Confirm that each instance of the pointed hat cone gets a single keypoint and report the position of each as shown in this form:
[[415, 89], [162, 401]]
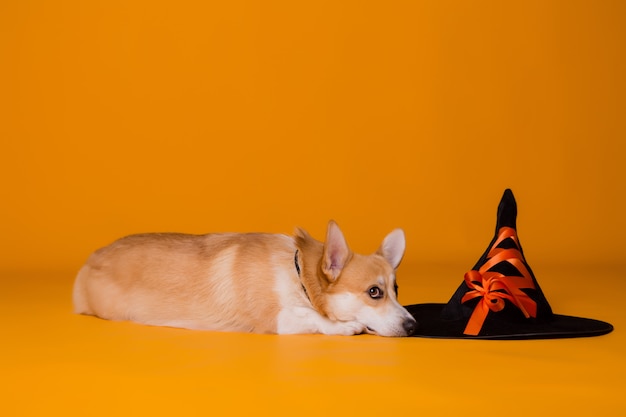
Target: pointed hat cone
[[500, 297]]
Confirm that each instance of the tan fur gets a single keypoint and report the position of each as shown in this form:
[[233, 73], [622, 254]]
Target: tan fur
[[236, 282]]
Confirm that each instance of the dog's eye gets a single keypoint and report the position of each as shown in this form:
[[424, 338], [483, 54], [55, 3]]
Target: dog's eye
[[375, 292]]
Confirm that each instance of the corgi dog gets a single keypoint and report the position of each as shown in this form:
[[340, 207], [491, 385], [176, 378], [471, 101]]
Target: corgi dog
[[249, 282]]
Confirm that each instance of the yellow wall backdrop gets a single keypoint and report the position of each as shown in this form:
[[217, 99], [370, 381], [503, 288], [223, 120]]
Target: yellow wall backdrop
[[119, 117]]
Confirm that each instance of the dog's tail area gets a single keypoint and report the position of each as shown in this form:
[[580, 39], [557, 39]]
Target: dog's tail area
[[79, 293]]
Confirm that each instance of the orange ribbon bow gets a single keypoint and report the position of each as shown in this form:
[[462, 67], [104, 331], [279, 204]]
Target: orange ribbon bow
[[495, 287]]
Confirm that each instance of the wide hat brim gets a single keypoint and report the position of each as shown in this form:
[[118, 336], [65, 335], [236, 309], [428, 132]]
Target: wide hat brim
[[500, 297], [432, 325]]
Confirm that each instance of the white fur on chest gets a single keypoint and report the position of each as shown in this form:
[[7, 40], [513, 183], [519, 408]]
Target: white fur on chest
[[298, 316]]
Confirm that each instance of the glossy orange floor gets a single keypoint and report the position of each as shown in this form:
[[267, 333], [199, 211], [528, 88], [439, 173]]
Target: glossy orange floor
[[56, 363]]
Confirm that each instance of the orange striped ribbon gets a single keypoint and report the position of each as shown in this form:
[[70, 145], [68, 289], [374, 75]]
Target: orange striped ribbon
[[494, 287]]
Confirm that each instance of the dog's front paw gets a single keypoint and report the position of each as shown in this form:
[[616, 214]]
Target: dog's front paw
[[344, 328]]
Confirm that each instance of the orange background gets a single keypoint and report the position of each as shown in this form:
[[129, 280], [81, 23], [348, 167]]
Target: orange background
[[119, 117], [123, 117]]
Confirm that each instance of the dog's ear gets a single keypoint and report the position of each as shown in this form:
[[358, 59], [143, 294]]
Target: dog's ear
[[336, 252], [393, 247]]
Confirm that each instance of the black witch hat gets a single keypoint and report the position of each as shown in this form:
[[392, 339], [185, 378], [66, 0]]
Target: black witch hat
[[500, 297]]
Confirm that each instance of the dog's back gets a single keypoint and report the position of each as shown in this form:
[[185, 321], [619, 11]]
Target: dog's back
[[213, 282]]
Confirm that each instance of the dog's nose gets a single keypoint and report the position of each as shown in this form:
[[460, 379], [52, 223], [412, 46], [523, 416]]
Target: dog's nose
[[410, 326]]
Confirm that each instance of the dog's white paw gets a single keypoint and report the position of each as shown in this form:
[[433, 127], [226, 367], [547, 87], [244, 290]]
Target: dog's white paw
[[344, 328]]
